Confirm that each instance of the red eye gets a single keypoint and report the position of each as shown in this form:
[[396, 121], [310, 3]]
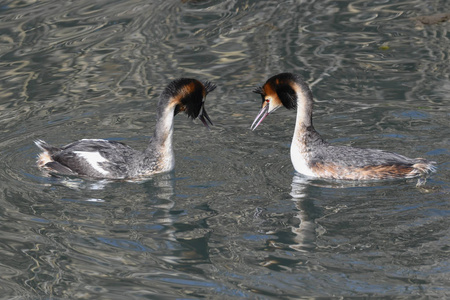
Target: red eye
[[267, 100]]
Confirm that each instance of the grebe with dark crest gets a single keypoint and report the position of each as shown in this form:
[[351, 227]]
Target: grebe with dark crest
[[97, 158], [314, 157]]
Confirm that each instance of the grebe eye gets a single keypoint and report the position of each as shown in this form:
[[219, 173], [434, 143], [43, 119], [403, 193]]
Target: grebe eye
[[267, 100]]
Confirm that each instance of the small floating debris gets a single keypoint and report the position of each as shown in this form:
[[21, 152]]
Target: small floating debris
[[384, 47]]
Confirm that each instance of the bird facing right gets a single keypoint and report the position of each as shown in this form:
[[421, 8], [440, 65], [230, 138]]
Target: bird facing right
[[104, 159], [312, 156]]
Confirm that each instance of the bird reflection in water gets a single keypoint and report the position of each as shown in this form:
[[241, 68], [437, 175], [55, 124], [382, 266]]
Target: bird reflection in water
[[306, 230]]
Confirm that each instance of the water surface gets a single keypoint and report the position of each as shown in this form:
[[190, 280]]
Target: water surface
[[232, 220]]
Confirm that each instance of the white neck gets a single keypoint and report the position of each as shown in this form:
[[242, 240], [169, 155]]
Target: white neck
[[299, 155], [161, 143], [304, 113]]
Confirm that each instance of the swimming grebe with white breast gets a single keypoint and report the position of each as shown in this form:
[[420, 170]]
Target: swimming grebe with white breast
[[97, 158], [313, 156]]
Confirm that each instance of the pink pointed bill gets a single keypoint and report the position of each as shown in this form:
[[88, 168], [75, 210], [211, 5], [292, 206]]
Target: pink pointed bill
[[263, 113]]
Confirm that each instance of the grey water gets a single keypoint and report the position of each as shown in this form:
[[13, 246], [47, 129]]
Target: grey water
[[232, 220]]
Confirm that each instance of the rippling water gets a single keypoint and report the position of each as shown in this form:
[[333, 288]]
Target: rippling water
[[232, 220]]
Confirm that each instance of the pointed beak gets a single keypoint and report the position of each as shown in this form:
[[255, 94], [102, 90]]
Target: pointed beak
[[260, 117], [203, 116]]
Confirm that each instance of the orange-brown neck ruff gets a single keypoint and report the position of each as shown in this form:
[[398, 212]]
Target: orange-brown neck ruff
[[184, 91]]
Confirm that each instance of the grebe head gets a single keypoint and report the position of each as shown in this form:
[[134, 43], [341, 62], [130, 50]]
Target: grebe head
[[189, 95], [280, 90]]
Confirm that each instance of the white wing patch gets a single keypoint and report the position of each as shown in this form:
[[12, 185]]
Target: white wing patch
[[94, 159]]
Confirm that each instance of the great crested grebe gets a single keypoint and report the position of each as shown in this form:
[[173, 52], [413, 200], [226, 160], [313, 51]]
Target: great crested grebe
[[312, 156], [97, 158]]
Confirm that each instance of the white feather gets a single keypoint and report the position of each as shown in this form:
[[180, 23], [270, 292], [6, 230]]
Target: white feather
[[94, 159], [299, 162]]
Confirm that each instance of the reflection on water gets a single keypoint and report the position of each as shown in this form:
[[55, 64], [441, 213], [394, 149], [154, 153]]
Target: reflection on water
[[232, 220], [306, 231]]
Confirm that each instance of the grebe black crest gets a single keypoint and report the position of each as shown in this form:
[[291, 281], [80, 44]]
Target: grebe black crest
[[312, 156], [97, 158]]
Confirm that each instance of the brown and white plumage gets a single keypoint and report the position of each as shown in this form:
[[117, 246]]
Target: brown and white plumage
[[97, 158], [313, 156]]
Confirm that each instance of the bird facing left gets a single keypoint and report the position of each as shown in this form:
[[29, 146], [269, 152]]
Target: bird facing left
[[103, 159]]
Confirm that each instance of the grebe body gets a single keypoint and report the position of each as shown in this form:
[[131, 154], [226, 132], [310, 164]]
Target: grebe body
[[98, 158], [312, 156]]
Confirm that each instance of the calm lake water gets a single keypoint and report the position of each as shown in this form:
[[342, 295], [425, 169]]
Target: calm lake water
[[232, 220]]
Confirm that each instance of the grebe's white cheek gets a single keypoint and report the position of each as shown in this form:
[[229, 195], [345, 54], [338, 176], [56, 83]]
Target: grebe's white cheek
[[93, 159], [273, 105]]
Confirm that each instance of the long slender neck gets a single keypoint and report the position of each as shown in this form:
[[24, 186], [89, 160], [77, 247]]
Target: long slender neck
[[304, 112], [161, 143], [305, 136]]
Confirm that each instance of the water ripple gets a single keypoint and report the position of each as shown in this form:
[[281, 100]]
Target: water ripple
[[230, 221]]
